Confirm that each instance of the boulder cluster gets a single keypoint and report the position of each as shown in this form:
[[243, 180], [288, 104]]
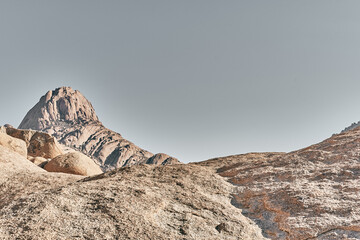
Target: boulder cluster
[[43, 150]]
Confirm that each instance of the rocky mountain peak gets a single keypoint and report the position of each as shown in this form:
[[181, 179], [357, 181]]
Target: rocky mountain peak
[[68, 116], [60, 105]]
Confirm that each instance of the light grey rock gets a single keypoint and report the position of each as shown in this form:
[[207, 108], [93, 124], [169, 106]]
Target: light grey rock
[[138, 202], [312, 193], [68, 116], [162, 159]]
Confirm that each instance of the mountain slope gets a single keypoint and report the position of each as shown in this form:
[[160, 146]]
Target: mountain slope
[[138, 202], [312, 193], [68, 116]]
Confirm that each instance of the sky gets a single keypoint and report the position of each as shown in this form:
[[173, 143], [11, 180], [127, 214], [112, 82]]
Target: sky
[[195, 79]]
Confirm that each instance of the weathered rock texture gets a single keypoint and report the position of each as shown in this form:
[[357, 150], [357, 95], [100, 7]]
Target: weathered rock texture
[[69, 117], [312, 193], [38, 144], [162, 159], [13, 144], [19, 177], [73, 163], [139, 202], [39, 161]]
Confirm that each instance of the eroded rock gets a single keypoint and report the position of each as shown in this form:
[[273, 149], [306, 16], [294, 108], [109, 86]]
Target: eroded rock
[[312, 193], [13, 144], [162, 159], [68, 116], [38, 144], [139, 202], [73, 163]]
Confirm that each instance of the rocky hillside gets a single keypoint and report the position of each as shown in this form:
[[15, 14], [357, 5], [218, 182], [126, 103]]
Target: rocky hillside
[[139, 202], [312, 193], [68, 116]]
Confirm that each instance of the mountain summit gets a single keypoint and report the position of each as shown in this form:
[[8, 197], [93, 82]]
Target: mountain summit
[[60, 105], [68, 116]]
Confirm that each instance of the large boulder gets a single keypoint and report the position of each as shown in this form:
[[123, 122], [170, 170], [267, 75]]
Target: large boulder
[[73, 163], [38, 144], [13, 144]]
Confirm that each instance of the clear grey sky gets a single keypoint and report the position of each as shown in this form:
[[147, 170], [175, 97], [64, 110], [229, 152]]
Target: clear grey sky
[[192, 78]]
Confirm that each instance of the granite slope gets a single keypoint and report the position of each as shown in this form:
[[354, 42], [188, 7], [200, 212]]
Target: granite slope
[[312, 193], [137, 202], [68, 116]]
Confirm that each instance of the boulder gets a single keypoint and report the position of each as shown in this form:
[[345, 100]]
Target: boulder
[[73, 163], [13, 144], [39, 144]]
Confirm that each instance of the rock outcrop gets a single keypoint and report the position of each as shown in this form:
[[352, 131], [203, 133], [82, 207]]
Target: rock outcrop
[[138, 202], [13, 144], [68, 116], [162, 159], [312, 193], [39, 161], [38, 144], [61, 105], [19, 177], [73, 163]]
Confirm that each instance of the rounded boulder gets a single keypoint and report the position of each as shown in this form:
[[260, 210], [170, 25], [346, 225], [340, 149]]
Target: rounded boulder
[[73, 163]]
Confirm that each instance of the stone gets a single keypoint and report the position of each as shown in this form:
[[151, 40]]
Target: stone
[[162, 159], [39, 161], [68, 116], [19, 177], [38, 144], [61, 105], [311, 193], [73, 163], [13, 144], [137, 202]]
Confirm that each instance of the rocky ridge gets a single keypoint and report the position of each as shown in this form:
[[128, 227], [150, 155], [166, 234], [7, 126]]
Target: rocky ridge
[[139, 202], [68, 116], [312, 193], [38, 144]]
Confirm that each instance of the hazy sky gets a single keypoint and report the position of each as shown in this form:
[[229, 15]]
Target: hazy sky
[[192, 78]]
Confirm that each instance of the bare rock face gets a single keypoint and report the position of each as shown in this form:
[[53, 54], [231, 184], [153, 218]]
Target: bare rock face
[[38, 144], [69, 117], [19, 177], [61, 105], [73, 163], [39, 161], [162, 159], [139, 202], [312, 193], [13, 144]]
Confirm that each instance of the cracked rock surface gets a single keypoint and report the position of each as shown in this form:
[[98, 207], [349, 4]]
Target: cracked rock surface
[[138, 202], [312, 193], [68, 116]]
